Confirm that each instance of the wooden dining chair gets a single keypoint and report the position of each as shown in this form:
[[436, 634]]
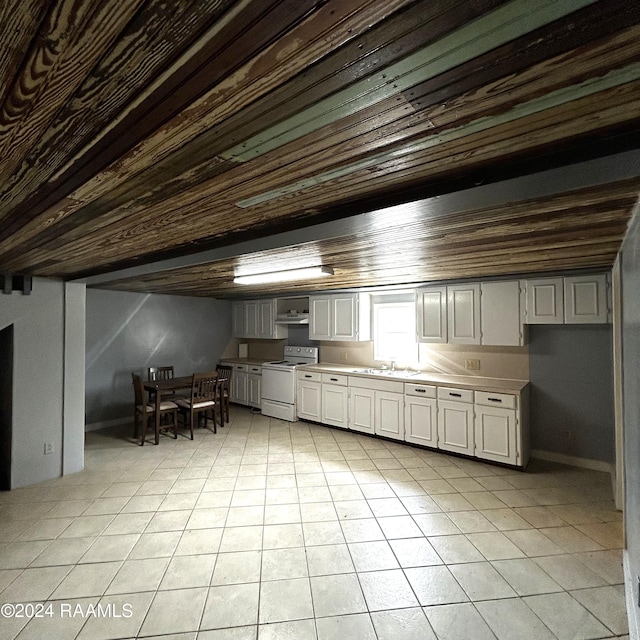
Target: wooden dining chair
[[204, 398], [145, 412], [164, 373], [160, 373], [224, 374]]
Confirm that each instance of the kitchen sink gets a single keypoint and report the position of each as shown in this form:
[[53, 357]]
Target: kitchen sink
[[387, 372]]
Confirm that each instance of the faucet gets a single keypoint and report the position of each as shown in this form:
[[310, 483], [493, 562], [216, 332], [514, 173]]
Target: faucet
[[393, 365]]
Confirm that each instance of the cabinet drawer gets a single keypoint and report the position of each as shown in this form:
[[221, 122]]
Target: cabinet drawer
[[420, 390], [456, 395], [504, 400], [241, 367], [377, 384], [335, 378], [255, 369], [310, 376]]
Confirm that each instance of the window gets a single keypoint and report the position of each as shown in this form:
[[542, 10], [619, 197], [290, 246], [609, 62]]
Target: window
[[394, 329]]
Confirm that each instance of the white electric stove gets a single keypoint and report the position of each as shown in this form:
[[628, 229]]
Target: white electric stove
[[279, 382]]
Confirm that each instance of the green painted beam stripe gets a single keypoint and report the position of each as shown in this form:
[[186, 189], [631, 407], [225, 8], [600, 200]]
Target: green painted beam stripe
[[556, 98], [487, 32]]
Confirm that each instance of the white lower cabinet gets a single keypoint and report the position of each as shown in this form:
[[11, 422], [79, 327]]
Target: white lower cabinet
[[309, 395], [389, 414], [335, 400], [481, 424], [240, 384], [254, 386], [420, 414], [361, 409], [497, 432], [377, 406], [455, 420]]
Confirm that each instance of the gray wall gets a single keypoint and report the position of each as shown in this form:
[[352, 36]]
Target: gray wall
[[39, 385], [571, 373], [630, 265], [131, 331]]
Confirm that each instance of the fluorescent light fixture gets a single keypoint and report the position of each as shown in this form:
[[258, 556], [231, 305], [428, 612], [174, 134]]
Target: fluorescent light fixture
[[285, 275]]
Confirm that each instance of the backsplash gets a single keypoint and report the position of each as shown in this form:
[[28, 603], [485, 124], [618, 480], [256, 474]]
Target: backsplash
[[265, 350], [495, 362]]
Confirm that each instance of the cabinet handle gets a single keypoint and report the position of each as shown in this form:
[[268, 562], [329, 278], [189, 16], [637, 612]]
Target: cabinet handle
[[306, 375], [333, 379], [455, 395], [494, 399], [421, 390]]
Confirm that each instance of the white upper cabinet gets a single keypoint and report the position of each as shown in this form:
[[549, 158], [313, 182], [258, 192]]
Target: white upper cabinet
[[570, 300], [344, 314], [586, 299], [463, 314], [500, 314], [320, 318], [251, 319], [256, 319], [545, 301], [431, 310], [341, 316], [266, 318]]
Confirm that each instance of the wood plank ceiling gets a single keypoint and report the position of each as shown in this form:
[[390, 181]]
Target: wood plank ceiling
[[135, 132]]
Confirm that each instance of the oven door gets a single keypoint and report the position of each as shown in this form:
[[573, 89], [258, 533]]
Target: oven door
[[279, 385]]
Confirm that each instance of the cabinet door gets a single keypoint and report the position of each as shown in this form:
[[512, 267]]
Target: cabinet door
[[254, 392], [361, 410], [455, 427], [344, 313], [251, 318], [237, 311], [320, 318], [240, 384], [431, 310], [463, 314], [265, 318], [309, 400], [545, 301], [335, 404], [500, 318], [420, 421], [389, 415], [495, 434], [585, 299]]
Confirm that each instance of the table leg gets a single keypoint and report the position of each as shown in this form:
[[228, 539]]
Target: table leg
[[157, 425]]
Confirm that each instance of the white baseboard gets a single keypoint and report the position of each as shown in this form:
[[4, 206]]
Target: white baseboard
[[584, 463], [630, 593], [94, 426]]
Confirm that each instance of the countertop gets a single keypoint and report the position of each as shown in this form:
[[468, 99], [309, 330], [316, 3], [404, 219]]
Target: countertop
[[494, 385], [250, 361]]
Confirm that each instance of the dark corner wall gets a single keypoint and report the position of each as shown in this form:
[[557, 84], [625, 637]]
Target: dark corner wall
[[128, 332], [572, 401], [6, 405]]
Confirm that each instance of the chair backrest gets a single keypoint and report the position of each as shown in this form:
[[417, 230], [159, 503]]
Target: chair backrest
[[204, 386], [225, 371], [138, 391], [160, 373]]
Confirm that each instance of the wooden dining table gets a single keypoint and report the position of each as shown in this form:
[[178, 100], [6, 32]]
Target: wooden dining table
[[161, 388]]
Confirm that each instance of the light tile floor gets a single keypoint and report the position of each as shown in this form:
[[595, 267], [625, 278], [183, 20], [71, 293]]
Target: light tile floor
[[273, 530]]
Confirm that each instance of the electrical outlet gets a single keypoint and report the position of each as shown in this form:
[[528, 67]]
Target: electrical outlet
[[568, 434], [472, 364], [48, 448]]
